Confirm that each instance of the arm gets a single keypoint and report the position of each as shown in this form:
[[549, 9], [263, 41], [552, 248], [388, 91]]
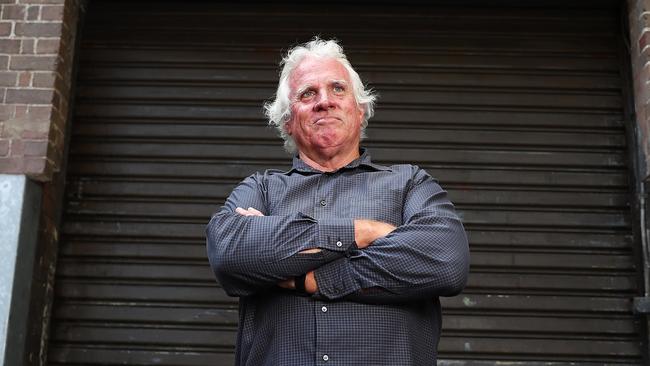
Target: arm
[[251, 253], [427, 256]]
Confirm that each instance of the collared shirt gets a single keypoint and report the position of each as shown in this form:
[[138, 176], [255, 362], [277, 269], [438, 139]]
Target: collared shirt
[[374, 306]]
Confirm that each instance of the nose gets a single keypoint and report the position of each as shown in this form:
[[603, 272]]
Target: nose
[[325, 101]]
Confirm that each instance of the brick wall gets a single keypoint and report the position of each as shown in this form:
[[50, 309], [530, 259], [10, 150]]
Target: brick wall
[[37, 44], [36, 48], [639, 21]]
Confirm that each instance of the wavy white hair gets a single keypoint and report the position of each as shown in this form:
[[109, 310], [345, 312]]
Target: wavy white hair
[[278, 111]]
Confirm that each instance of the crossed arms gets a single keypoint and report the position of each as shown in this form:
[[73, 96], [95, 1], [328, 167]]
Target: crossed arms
[[352, 258]]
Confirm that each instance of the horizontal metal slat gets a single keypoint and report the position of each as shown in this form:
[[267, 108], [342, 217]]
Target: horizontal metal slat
[[215, 194], [220, 132], [60, 354], [424, 96], [387, 114], [377, 77], [146, 314], [516, 348], [136, 336], [242, 152], [82, 166], [113, 291], [477, 303]]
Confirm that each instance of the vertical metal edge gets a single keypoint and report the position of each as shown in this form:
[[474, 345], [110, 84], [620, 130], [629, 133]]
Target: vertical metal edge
[[638, 186]]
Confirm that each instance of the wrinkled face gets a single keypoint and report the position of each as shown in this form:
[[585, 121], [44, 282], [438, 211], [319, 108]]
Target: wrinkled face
[[325, 117]]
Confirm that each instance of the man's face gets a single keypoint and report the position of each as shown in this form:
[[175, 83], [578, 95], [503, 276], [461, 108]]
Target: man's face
[[325, 117]]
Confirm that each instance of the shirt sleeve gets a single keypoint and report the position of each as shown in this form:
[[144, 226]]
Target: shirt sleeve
[[427, 256], [253, 253]]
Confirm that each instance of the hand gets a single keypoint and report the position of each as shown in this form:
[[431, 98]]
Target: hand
[[367, 231], [248, 212]]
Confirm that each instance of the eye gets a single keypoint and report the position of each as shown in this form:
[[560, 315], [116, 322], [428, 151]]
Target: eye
[[338, 89], [307, 94]]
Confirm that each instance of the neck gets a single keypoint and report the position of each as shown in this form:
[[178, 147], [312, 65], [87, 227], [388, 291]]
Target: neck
[[327, 163]]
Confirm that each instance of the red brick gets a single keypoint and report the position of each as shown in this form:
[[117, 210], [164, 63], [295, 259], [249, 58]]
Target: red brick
[[40, 112], [29, 96], [36, 148], [11, 165], [37, 135], [644, 40], [52, 12], [25, 78], [6, 112], [38, 63], [35, 166], [44, 80], [4, 147], [21, 111], [9, 46], [28, 46], [14, 12], [17, 148], [33, 12], [56, 99], [5, 29], [8, 78], [44, 46], [38, 29], [56, 133], [41, 1]]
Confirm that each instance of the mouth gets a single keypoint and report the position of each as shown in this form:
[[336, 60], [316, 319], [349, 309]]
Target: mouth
[[326, 120]]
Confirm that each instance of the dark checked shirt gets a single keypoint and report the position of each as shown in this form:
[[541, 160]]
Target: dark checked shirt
[[374, 306]]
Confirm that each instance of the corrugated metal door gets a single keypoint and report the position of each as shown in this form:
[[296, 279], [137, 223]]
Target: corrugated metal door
[[516, 110]]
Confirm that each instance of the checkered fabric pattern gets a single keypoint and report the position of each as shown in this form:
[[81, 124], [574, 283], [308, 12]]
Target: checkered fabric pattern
[[374, 306]]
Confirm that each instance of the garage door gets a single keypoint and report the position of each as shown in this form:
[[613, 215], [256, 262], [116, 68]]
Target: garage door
[[517, 111]]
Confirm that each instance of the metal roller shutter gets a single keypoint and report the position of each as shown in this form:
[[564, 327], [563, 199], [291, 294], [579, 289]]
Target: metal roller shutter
[[517, 111]]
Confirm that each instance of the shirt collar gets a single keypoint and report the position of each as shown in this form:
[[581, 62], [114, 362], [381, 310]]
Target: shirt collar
[[363, 160]]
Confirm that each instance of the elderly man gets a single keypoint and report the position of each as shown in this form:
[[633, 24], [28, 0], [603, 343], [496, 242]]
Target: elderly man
[[338, 260]]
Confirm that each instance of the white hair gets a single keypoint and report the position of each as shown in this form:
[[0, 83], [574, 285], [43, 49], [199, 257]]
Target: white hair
[[278, 111]]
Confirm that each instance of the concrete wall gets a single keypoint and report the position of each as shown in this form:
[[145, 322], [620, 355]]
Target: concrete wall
[[20, 201]]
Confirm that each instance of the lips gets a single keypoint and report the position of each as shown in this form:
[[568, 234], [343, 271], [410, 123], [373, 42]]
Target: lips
[[325, 120]]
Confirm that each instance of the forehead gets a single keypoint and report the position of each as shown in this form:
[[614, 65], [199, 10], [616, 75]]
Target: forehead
[[313, 70]]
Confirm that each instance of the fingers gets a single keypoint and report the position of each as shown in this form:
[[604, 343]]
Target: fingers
[[288, 284], [255, 212], [241, 211], [310, 251], [248, 212]]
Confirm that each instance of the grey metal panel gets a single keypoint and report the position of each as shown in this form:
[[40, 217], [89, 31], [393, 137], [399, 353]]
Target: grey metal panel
[[517, 111]]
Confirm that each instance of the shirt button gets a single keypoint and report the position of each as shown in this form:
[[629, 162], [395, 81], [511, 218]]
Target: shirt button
[[323, 203], [326, 357], [324, 309], [339, 244]]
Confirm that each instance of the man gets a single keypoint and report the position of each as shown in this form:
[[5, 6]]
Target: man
[[338, 260]]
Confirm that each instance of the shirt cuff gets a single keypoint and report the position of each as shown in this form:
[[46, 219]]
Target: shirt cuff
[[336, 235], [335, 280]]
